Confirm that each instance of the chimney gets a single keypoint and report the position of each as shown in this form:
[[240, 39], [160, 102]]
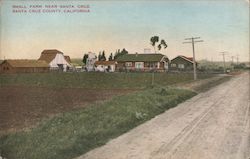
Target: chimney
[[147, 50]]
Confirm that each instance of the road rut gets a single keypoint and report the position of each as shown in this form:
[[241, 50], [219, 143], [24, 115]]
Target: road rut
[[212, 125]]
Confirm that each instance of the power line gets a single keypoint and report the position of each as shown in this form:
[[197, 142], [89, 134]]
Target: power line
[[193, 41]]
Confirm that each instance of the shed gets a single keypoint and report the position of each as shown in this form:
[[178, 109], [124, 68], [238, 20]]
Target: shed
[[23, 66], [104, 66]]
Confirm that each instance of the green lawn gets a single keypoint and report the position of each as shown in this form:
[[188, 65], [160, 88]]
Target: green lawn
[[74, 133], [96, 80]]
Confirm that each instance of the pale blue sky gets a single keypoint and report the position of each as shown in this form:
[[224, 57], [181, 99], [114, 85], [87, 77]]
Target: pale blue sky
[[110, 25]]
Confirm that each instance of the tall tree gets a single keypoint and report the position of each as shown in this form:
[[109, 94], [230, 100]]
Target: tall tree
[[154, 40], [84, 59], [103, 57], [164, 44], [120, 53], [111, 57], [124, 51], [99, 56]]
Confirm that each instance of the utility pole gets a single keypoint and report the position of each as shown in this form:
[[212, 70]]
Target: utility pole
[[193, 41], [237, 58], [224, 64], [232, 59], [232, 65]]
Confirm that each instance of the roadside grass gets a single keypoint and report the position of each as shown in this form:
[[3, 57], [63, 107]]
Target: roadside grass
[[96, 80], [211, 84], [74, 133]]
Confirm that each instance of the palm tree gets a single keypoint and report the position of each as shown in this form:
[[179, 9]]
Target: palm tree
[[164, 44], [154, 40]]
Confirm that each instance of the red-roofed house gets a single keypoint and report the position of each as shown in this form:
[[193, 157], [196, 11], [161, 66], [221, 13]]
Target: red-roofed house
[[182, 63]]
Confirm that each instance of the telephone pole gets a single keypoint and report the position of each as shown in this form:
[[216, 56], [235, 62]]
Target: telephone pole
[[224, 64], [193, 40], [232, 65], [237, 58], [232, 59]]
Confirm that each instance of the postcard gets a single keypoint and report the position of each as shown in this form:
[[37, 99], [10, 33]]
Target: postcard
[[124, 79]]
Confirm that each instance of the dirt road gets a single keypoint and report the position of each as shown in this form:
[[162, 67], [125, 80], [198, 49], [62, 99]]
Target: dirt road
[[212, 125]]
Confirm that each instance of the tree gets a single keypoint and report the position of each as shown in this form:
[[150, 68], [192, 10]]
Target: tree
[[103, 57], [124, 51], [111, 57], [164, 44], [84, 59], [99, 56], [154, 40], [118, 53]]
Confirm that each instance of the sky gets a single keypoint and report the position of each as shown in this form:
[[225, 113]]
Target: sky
[[110, 25]]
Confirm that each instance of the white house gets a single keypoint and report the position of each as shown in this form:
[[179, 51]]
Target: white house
[[56, 60], [105, 66], [90, 63]]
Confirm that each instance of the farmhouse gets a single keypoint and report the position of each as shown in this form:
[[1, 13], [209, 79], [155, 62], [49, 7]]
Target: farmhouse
[[23, 66], [182, 63], [104, 66], [142, 62], [56, 60]]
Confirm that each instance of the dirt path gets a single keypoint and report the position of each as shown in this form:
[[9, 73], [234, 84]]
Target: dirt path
[[212, 125]]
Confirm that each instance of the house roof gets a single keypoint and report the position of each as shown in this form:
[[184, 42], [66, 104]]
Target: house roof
[[27, 63], [49, 55], [189, 59], [67, 58], [140, 57], [105, 63]]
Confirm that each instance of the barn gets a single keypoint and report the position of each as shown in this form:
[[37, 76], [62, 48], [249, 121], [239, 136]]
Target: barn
[[56, 60], [23, 66]]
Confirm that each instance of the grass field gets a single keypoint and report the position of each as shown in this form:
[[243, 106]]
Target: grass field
[[96, 80], [74, 133]]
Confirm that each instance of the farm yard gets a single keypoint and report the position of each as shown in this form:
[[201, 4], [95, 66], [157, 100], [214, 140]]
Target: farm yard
[[63, 115]]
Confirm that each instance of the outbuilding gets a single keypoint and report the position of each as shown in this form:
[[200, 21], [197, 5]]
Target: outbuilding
[[105, 66], [56, 60], [23, 66]]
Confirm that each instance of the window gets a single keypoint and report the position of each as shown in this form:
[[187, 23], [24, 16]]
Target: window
[[181, 66], [128, 64], [139, 65], [173, 65]]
